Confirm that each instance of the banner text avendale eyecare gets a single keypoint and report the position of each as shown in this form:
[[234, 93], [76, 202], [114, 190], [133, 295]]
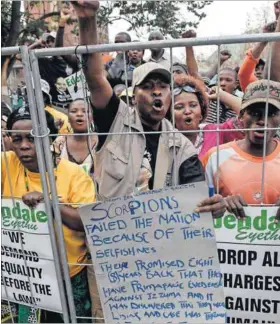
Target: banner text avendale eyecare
[[22, 217], [28, 273], [259, 228], [249, 254]]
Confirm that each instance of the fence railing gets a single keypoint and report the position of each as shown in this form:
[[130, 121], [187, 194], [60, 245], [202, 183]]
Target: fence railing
[[42, 135]]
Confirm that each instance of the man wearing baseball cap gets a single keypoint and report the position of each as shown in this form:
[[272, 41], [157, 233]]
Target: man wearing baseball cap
[[127, 161], [246, 156]]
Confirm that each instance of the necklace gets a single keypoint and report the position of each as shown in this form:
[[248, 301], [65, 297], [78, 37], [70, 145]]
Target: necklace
[[26, 181]]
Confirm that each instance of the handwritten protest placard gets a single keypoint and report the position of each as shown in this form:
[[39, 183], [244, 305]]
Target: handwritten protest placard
[[249, 255], [155, 258], [76, 79], [32, 244]]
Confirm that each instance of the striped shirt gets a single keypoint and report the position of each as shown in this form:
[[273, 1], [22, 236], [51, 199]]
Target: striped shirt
[[224, 113]]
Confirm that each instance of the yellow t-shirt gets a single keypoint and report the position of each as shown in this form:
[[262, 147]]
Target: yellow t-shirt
[[73, 186], [66, 127]]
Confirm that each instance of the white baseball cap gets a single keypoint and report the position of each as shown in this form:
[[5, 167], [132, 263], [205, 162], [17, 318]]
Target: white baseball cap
[[141, 72]]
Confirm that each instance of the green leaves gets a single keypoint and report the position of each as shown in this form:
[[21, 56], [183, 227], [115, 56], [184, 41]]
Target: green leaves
[[170, 17]]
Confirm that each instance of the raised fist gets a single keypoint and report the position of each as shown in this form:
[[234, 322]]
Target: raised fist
[[65, 14], [225, 55], [270, 28], [189, 34], [213, 93], [85, 8]]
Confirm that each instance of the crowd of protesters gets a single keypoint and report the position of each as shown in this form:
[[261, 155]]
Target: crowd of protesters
[[128, 93]]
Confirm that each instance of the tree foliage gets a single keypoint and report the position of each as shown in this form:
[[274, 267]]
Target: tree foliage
[[170, 17]]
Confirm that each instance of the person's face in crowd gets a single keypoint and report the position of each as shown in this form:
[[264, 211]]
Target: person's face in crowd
[[6, 144], [23, 144], [259, 71], [79, 118], [152, 98], [178, 73], [121, 38], [228, 80], [135, 56], [187, 111], [50, 42], [238, 84], [60, 85], [154, 36], [254, 117]]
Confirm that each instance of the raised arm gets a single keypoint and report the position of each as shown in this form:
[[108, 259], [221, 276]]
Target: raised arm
[[226, 98], [40, 43], [246, 73], [213, 70], [100, 89], [65, 15], [190, 58], [275, 57]]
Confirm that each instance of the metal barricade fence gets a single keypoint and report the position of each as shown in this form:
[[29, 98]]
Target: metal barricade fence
[[41, 135]]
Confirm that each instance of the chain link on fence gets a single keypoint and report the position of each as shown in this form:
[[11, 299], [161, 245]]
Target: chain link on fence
[[52, 203]]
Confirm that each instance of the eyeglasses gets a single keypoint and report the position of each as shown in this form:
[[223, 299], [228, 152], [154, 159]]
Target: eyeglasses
[[187, 88]]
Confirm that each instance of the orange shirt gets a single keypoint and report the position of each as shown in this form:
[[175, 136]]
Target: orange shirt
[[246, 73], [241, 173], [106, 57]]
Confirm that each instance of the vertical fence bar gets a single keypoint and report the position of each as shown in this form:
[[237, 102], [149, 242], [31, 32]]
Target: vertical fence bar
[[218, 119], [26, 73], [126, 83], [42, 169], [49, 167], [266, 124], [135, 189], [175, 164], [87, 109], [5, 287]]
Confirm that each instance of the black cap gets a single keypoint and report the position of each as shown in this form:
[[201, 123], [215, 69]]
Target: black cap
[[23, 113]]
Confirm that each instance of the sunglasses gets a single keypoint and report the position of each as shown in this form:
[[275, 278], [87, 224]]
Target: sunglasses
[[178, 90], [276, 5]]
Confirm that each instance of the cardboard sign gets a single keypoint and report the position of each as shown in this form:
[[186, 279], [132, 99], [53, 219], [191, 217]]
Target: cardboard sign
[[249, 255], [27, 266], [156, 259], [76, 79]]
